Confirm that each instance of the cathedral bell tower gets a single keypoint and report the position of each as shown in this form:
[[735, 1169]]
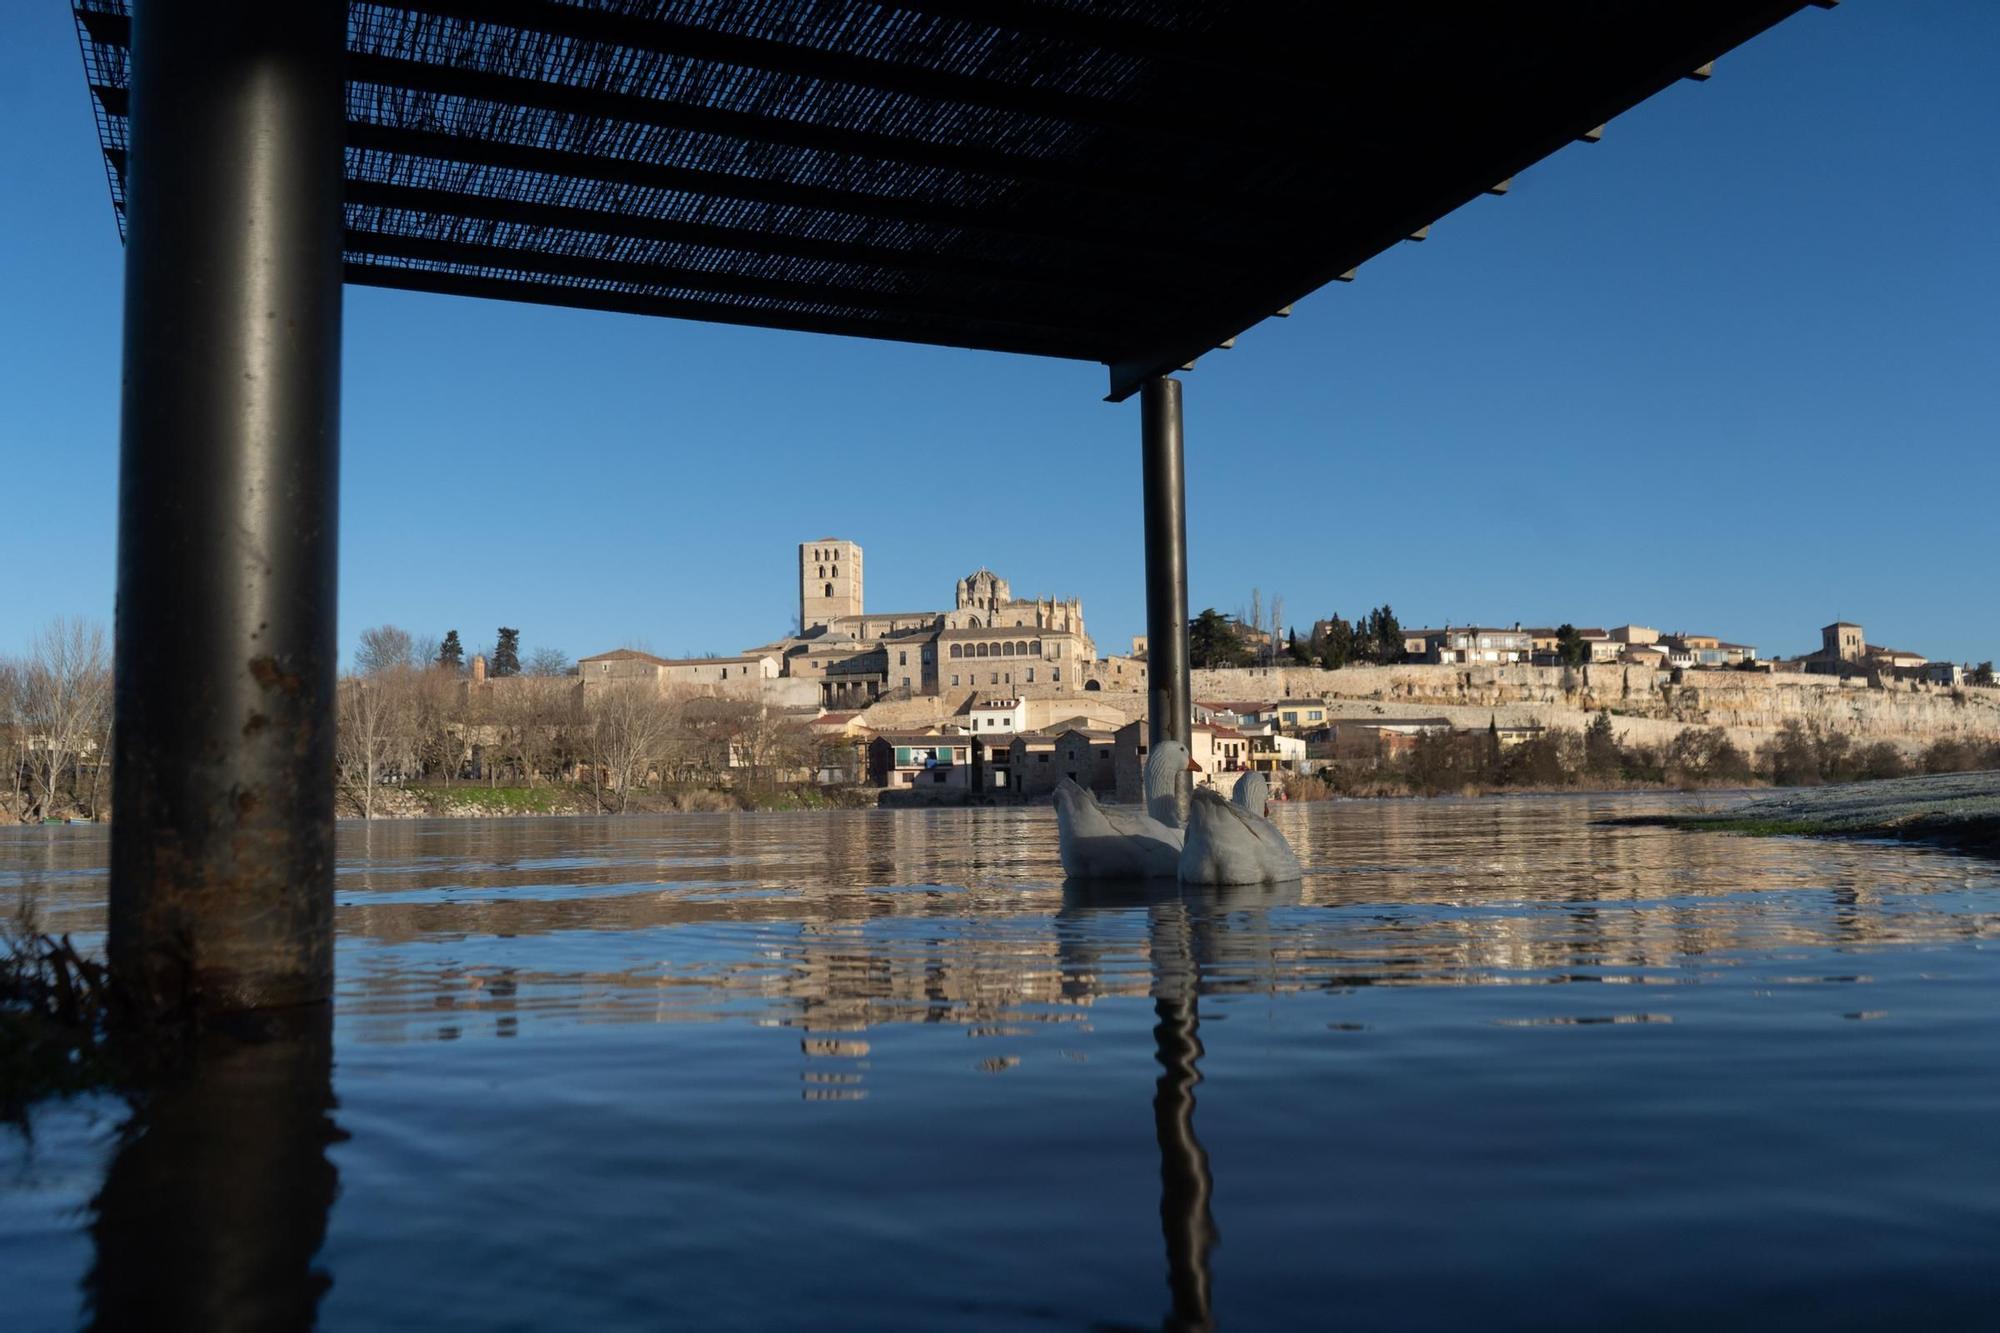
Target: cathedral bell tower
[[829, 581]]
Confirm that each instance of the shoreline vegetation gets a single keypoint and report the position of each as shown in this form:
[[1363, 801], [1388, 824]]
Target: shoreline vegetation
[[1476, 763], [1464, 764]]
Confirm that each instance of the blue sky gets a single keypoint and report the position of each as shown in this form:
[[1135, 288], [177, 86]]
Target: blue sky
[[1735, 369]]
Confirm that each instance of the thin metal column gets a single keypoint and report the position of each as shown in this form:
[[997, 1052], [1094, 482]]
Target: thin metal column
[[222, 840], [1165, 498]]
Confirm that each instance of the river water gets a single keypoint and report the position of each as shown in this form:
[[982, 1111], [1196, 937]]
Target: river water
[[1490, 1064]]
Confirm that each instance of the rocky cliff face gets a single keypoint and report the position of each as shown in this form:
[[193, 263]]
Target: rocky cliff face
[[1649, 705]]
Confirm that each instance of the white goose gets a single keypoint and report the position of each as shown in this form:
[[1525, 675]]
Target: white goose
[[1116, 842], [1231, 842]]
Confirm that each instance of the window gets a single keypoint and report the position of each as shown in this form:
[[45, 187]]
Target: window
[[1041, 759], [903, 658], [954, 680], [954, 653], [1104, 754], [1031, 675], [836, 571], [829, 590], [1055, 673], [906, 682], [1006, 650], [1315, 715], [996, 678]]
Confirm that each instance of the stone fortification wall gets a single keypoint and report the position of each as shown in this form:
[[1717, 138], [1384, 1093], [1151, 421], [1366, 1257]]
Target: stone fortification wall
[[1646, 704], [1647, 707]]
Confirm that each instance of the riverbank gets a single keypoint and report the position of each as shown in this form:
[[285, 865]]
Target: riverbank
[[474, 801], [1960, 811]]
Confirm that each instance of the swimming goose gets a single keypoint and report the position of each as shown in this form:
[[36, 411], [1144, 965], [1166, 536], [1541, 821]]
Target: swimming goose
[[1116, 842], [1231, 842]]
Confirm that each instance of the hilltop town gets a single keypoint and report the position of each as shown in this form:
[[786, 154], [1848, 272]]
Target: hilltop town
[[998, 696]]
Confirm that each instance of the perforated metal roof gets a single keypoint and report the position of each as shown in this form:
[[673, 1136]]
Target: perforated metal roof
[[1111, 180]]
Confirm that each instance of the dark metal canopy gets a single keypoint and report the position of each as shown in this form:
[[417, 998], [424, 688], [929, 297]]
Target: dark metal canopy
[[1122, 181]]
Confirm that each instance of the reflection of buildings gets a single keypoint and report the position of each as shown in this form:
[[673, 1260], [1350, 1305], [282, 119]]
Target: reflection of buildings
[[859, 918]]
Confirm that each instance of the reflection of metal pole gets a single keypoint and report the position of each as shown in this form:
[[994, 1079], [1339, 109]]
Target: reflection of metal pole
[[217, 1200], [1185, 1183]]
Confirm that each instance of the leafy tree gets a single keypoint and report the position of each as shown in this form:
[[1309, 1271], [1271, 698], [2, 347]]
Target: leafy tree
[[1982, 674], [1300, 653], [1600, 746], [1214, 642], [506, 654], [1332, 644], [1571, 650], [451, 653], [1388, 635]]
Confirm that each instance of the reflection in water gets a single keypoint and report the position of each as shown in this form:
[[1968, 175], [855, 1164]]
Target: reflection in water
[[888, 1069], [217, 1198], [1185, 1182], [1187, 926]]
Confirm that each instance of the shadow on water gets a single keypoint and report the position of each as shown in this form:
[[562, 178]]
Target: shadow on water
[[217, 1198], [1186, 926]]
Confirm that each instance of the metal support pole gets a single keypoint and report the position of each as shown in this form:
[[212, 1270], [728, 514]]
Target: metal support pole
[[222, 840], [1168, 713]]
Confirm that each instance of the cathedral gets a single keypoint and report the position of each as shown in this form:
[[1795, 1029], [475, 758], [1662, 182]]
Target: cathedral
[[860, 655]]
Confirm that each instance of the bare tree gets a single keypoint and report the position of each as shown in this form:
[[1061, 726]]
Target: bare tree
[[385, 648], [373, 734], [437, 721], [12, 736], [62, 709], [768, 745], [531, 721], [627, 727], [547, 662]]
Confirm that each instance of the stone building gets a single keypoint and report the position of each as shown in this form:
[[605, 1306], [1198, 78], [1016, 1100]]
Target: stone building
[[935, 763], [856, 656], [1845, 650], [829, 582], [1040, 759], [1016, 660], [741, 677], [984, 600], [1842, 641]]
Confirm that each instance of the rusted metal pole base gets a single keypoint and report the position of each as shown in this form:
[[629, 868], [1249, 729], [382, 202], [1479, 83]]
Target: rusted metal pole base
[[222, 840]]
